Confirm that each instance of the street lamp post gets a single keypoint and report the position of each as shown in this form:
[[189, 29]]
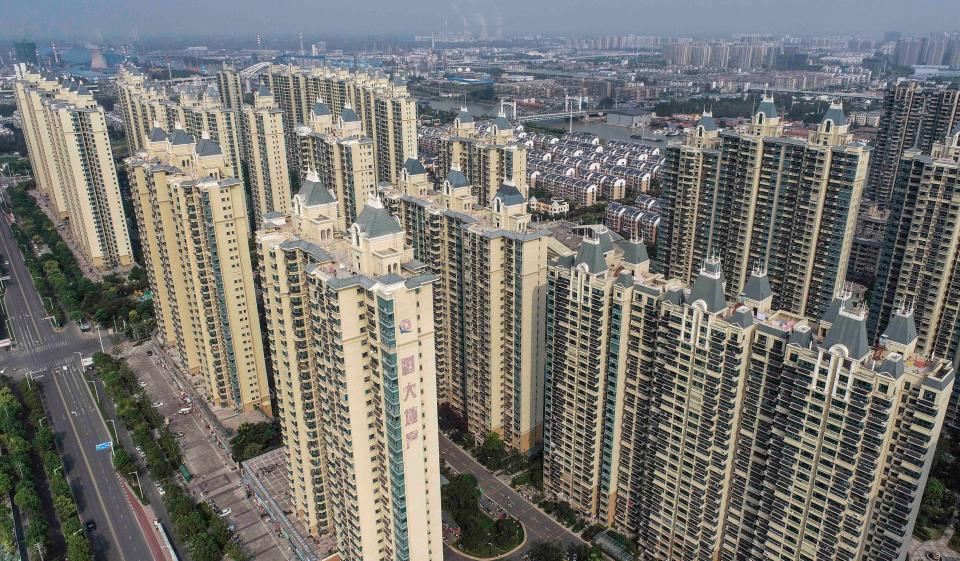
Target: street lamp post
[[139, 486], [113, 447]]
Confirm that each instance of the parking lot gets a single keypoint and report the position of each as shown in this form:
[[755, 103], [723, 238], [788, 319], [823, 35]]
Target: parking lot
[[215, 477]]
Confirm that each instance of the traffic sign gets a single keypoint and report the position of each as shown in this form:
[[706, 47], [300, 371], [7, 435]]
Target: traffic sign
[[104, 445]]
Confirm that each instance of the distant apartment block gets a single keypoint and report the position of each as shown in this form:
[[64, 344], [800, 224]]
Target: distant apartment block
[[759, 199], [914, 115], [69, 148], [387, 113]]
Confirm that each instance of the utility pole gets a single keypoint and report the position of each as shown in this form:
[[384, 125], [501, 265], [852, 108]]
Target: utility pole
[[40, 549]]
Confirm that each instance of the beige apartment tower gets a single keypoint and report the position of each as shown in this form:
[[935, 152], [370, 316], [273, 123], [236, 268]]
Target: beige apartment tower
[[69, 147], [489, 156], [758, 199], [197, 109], [383, 106], [715, 428], [195, 233], [356, 371], [489, 300], [336, 150], [265, 149]]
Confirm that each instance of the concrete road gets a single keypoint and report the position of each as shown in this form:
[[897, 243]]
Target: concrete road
[[538, 526], [42, 353]]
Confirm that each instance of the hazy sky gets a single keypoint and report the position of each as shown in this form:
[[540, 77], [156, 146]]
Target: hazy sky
[[42, 19]]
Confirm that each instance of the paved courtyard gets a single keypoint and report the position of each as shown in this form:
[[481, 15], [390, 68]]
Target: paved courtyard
[[216, 476], [269, 470]]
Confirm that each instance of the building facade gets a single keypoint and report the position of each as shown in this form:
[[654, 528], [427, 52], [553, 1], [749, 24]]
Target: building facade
[[919, 266], [69, 148], [387, 113], [488, 301], [756, 198], [265, 154], [194, 227], [368, 352], [488, 156], [716, 428], [336, 150], [914, 115]]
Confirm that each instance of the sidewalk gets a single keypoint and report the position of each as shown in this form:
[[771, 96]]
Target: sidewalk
[[66, 235], [144, 515]]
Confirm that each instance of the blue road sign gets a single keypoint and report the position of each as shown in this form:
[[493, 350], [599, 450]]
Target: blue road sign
[[104, 445]]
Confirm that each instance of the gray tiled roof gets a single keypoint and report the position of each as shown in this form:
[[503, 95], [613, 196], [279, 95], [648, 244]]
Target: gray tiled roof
[[502, 123], [375, 221], [591, 254], [320, 109], [634, 252], [902, 328], [757, 287], [315, 193], [767, 107], [464, 116], [708, 287], [207, 147], [457, 178], [264, 90], [742, 316], [181, 136], [850, 331], [707, 122], [414, 166], [510, 195], [835, 114], [157, 134], [349, 115]]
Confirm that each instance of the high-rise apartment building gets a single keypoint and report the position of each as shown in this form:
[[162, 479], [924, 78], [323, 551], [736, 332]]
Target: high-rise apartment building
[[351, 328], [69, 147], [288, 245], [230, 87], [193, 224], [920, 260], [335, 148], [26, 52], [588, 312], [265, 149], [915, 115], [489, 156], [196, 109], [488, 302], [759, 199], [387, 113], [718, 428]]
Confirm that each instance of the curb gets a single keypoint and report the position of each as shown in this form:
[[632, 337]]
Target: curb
[[502, 555]]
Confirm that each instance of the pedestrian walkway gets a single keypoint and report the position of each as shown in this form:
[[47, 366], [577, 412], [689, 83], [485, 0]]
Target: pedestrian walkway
[[66, 235]]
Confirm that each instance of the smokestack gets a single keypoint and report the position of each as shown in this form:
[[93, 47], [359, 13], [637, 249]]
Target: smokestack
[[302, 52]]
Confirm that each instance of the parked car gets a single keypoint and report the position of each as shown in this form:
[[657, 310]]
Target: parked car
[[158, 404], [159, 488], [225, 512], [90, 525]]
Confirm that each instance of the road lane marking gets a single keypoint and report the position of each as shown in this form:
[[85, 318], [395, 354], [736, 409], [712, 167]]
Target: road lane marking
[[93, 479], [6, 250]]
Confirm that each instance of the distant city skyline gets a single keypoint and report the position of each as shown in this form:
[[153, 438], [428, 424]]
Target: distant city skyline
[[46, 19]]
